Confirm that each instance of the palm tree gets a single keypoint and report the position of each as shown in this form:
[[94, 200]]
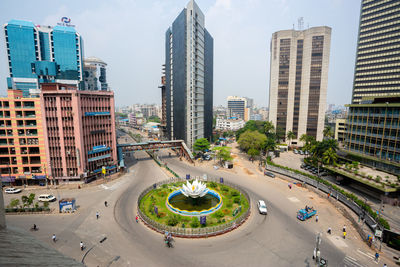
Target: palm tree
[[290, 135], [307, 140], [328, 132], [329, 157], [270, 144]]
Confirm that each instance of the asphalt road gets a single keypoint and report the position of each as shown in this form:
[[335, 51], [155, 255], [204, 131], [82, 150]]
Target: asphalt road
[[277, 239]]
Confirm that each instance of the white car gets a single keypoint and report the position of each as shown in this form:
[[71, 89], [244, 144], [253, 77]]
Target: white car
[[46, 198], [12, 190], [262, 208]]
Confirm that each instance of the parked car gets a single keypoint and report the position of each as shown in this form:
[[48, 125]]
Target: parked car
[[301, 152], [207, 157], [12, 190], [270, 174], [295, 151], [46, 198], [262, 208], [303, 166]]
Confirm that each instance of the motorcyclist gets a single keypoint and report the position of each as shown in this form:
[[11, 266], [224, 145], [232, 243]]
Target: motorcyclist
[[34, 227]]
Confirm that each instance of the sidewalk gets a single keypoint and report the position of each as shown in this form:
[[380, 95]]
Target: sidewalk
[[340, 215]]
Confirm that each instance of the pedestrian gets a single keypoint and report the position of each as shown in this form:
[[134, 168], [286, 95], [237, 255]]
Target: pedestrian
[[344, 228], [54, 238], [316, 218], [137, 219], [329, 230], [97, 215], [376, 256], [384, 265], [105, 203], [344, 235], [81, 245]]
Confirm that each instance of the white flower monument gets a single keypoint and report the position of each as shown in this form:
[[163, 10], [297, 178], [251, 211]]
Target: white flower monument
[[195, 189]]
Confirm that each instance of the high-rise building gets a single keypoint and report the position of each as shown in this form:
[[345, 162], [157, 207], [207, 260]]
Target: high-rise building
[[94, 73], [22, 142], [372, 126], [41, 54], [79, 132], [298, 80], [189, 77], [377, 70], [238, 107]]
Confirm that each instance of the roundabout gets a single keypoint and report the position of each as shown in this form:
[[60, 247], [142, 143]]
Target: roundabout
[[193, 208]]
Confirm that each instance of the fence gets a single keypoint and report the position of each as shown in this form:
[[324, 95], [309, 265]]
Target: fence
[[369, 220], [194, 232]]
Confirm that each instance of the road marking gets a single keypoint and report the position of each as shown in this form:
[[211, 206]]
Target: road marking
[[294, 199], [349, 261], [366, 254], [337, 241]]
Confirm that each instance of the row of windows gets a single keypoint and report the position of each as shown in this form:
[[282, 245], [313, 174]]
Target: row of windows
[[380, 14], [377, 9], [389, 24]]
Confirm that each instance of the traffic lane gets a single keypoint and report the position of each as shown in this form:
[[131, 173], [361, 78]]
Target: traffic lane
[[276, 200]]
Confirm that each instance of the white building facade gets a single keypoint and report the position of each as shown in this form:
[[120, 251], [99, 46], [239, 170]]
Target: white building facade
[[229, 124]]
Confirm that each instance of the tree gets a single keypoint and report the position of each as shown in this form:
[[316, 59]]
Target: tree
[[269, 128], [252, 126], [252, 139], [270, 144], [24, 200], [154, 119], [31, 198], [14, 203], [280, 133], [290, 135], [223, 153], [252, 152], [307, 140], [329, 157], [201, 144], [121, 115], [328, 132]]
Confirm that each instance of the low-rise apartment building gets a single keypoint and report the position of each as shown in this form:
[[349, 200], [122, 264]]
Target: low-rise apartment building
[[22, 141], [231, 124]]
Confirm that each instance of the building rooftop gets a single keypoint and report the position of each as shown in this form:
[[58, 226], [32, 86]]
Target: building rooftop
[[19, 248], [94, 60], [21, 23]]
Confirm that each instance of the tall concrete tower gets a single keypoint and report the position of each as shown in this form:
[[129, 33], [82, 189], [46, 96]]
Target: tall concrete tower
[[298, 80], [189, 77]]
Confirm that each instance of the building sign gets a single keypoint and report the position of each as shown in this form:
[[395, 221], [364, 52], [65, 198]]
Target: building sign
[[66, 22]]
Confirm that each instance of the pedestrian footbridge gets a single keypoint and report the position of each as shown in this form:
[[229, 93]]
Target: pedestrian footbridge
[[151, 146]]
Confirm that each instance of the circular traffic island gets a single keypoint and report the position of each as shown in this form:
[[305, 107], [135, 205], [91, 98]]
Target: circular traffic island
[[193, 208]]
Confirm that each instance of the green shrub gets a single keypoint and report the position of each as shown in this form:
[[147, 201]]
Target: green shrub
[[236, 200], [195, 222], [225, 189], [213, 185], [173, 220], [218, 214], [229, 204], [46, 204], [164, 186], [234, 193], [378, 179]]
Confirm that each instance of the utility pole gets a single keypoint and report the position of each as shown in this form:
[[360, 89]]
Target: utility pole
[[379, 224]]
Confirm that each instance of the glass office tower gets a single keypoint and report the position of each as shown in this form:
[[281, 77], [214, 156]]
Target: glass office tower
[[377, 69], [189, 77], [42, 54]]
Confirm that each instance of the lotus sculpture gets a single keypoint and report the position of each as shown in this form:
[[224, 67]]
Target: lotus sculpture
[[195, 189]]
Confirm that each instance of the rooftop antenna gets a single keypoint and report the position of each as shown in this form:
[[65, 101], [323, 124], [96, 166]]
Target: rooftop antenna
[[300, 23]]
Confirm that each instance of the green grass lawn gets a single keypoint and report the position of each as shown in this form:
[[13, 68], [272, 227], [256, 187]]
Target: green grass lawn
[[231, 200]]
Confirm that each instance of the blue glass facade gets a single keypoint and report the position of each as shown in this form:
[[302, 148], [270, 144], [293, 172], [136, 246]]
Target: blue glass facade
[[66, 52], [38, 54], [21, 48]]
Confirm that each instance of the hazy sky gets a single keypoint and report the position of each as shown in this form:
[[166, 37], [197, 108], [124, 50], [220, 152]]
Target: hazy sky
[[129, 36]]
